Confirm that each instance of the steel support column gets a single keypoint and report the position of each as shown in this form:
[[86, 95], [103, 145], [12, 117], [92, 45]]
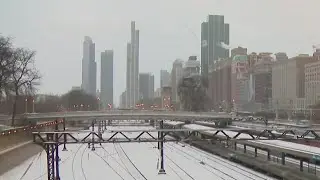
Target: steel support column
[[255, 152], [93, 148], [301, 165], [158, 141], [161, 170], [64, 135], [50, 157], [57, 152], [283, 158]]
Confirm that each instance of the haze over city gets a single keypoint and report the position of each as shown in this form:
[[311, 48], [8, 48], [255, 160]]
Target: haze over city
[[168, 89], [168, 30]]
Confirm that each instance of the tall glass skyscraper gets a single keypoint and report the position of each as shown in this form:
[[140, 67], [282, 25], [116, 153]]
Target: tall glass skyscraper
[[89, 67], [106, 78], [132, 88], [214, 42]]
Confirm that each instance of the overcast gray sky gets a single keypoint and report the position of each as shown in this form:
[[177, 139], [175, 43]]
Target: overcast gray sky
[[169, 29]]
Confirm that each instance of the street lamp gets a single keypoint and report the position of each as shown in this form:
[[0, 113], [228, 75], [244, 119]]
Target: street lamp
[[32, 105], [98, 99], [26, 105]]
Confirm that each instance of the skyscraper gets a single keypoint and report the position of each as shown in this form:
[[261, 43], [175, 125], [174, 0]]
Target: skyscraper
[[176, 76], [132, 88], [164, 78], [89, 67], [106, 78], [146, 81], [214, 42]]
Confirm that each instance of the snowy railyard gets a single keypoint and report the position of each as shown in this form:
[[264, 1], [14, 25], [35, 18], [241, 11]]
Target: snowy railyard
[[133, 161]]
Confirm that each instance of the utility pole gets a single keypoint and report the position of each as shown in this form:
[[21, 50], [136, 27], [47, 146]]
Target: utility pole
[[161, 138]]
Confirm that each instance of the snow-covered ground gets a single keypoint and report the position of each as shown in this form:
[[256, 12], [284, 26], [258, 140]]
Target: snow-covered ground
[[133, 161]]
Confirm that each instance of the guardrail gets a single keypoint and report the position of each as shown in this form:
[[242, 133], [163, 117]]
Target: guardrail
[[126, 113], [13, 131]]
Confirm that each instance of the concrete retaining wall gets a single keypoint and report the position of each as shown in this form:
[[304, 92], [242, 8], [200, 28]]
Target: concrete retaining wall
[[14, 157], [8, 141]]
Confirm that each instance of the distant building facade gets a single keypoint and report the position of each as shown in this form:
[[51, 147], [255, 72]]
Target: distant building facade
[[312, 83], [262, 75], [191, 67], [164, 78], [166, 94], [280, 56], [291, 81], [238, 51], [123, 98], [219, 89], [239, 81], [176, 76], [146, 86], [157, 93]]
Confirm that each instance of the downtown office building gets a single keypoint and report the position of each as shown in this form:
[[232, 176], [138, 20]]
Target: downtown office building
[[214, 42], [106, 79]]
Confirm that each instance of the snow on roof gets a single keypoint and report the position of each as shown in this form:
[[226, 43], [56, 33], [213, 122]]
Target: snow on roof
[[173, 123], [230, 133], [276, 143]]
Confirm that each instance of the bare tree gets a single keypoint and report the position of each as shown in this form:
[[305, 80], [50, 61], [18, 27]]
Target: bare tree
[[25, 77], [192, 93], [6, 64], [79, 100]]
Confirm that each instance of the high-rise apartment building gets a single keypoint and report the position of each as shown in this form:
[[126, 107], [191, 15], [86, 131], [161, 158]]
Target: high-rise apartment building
[[164, 78], [89, 67], [146, 88], [132, 88], [106, 78], [214, 42], [176, 76]]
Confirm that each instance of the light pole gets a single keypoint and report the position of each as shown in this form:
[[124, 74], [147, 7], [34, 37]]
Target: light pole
[[26, 105], [32, 105], [98, 99]]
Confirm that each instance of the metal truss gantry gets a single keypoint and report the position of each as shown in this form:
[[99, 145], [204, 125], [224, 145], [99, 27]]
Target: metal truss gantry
[[51, 141]]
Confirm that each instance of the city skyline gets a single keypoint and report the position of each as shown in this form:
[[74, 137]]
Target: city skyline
[[161, 44]]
